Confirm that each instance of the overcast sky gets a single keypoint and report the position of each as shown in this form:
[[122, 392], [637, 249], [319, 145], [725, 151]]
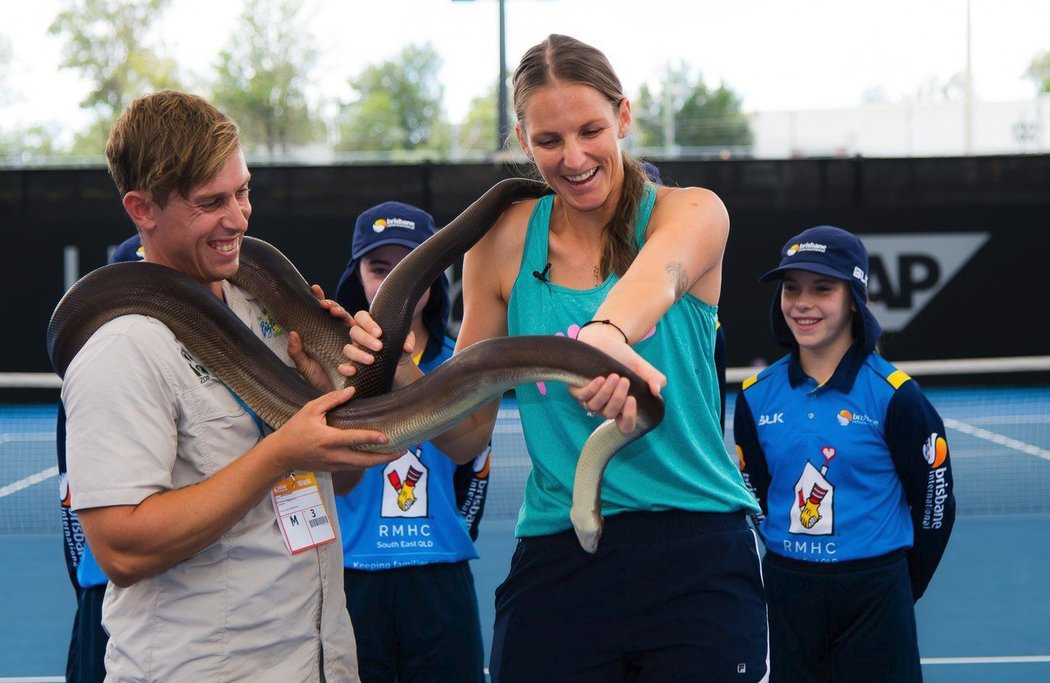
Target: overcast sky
[[777, 54]]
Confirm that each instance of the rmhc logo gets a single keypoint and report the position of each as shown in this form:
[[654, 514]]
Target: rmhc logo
[[907, 271]]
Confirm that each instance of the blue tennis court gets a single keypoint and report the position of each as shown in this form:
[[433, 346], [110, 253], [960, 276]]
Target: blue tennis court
[[986, 616]]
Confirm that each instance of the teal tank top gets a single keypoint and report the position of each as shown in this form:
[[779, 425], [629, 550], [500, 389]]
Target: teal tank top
[[683, 464]]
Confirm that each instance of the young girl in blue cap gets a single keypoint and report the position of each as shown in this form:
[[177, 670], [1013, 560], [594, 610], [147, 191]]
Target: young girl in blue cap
[[408, 527], [850, 465]]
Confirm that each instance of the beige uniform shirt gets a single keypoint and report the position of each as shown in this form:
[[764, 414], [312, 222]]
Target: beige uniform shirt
[[145, 416]]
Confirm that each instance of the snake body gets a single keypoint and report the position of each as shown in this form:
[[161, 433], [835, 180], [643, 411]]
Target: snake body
[[473, 377]]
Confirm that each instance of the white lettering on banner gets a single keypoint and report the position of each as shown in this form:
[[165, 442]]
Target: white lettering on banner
[[908, 271]]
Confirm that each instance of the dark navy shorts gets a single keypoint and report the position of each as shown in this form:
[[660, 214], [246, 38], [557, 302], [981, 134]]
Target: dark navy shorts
[[416, 623], [86, 662], [669, 596], [851, 621]]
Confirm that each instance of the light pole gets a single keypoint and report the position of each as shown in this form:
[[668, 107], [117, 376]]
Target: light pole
[[968, 111], [502, 120]]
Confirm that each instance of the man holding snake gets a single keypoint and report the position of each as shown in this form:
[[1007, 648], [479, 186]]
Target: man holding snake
[[191, 504]]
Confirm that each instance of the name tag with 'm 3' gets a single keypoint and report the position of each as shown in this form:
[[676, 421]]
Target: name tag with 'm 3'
[[301, 514]]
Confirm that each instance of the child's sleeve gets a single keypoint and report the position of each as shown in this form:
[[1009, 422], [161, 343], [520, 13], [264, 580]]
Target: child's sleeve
[[919, 448], [471, 482], [752, 458]]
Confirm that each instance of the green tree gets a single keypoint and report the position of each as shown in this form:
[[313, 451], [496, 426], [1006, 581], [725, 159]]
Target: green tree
[[700, 116], [36, 141], [398, 107], [1038, 71], [107, 42], [262, 77], [477, 133]]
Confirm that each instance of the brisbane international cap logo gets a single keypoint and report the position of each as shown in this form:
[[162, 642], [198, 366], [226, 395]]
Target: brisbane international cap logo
[[382, 224], [806, 246]]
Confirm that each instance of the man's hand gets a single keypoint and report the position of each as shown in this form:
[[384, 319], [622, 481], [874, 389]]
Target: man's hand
[[307, 442]]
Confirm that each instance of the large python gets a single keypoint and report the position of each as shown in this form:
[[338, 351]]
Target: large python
[[407, 416]]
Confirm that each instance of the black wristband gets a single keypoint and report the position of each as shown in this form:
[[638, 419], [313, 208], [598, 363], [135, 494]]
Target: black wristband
[[610, 324]]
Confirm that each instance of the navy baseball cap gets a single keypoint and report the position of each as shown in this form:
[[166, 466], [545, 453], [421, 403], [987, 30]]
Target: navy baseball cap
[[834, 252], [408, 226], [826, 250], [652, 172], [128, 250], [390, 223]]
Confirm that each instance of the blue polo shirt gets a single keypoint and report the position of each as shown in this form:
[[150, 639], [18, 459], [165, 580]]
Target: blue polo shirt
[[409, 512], [852, 469]]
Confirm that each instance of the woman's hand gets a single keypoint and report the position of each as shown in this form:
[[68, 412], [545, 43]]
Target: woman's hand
[[607, 396], [309, 368], [366, 335]]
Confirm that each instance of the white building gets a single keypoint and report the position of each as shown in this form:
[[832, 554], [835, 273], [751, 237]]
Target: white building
[[905, 130]]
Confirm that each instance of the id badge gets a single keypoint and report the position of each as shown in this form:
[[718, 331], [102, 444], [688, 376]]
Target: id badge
[[301, 514]]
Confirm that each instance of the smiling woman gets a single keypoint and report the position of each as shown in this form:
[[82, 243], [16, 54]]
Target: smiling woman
[[615, 276]]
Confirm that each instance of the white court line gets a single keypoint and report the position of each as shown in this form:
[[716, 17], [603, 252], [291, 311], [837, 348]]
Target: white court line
[[1010, 420], [31, 480], [981, 660], [12, 437], [1000, 439]]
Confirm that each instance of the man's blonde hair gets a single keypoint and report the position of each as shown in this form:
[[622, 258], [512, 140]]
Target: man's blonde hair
[[169, 141]]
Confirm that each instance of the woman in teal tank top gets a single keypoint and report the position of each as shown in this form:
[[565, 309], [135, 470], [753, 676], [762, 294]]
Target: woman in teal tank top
[[674, 590]]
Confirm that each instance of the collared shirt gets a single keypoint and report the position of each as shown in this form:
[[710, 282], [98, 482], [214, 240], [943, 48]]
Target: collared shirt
[[145, 416], [851, 469]]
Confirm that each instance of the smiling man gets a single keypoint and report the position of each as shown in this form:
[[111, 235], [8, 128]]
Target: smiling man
[[174, 478]]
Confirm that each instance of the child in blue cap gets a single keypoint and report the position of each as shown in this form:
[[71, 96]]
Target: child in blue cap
[[850, 464], [408, 528]]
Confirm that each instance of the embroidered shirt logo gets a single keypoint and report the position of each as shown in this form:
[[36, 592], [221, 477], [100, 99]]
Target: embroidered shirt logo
[[935, 450], [772, 419], [847, 418], [405, 492], [814, 512], [198, 368], [268, 325]]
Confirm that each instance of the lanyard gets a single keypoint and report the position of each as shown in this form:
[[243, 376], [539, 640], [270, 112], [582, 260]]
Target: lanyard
[[255, 417]]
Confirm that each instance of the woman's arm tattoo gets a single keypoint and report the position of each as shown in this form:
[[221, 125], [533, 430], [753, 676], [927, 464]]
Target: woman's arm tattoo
[[681, 282]]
